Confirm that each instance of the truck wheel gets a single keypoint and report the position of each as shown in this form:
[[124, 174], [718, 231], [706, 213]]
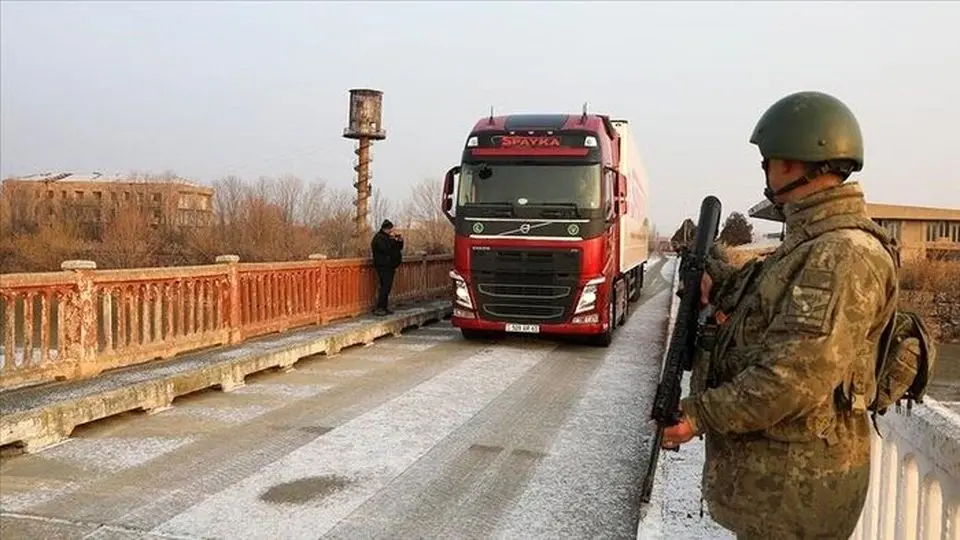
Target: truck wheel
[[625, 295], [637, 283]]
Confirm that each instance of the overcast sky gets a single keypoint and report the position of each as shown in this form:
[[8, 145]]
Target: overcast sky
[[210, 89]]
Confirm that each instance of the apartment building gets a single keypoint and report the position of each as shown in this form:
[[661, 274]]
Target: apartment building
[[922, 232], [91, 200]]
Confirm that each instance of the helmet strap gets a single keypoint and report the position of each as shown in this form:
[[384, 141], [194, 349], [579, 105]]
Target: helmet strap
[[813, 171]]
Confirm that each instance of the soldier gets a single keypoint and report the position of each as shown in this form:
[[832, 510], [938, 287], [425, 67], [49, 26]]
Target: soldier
[[783, 405]]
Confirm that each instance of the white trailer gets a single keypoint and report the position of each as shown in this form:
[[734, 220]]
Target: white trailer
[[634, 225]]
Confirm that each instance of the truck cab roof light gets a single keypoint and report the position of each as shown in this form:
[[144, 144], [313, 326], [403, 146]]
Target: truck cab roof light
[[590, 141]]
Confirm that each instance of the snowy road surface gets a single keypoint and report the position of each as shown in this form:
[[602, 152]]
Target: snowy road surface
[[425, 435]]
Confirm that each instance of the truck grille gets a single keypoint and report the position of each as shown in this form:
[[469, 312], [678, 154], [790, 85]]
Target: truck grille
[[525, 285]]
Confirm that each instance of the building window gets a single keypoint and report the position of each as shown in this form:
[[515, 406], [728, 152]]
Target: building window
[[932, 231], [892, 227], [955, 231]]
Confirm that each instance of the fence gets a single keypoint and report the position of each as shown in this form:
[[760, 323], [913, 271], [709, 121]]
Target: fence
[[915, 477], [82, 321]]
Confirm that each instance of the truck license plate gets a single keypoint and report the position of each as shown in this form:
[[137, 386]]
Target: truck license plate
[[524, 328]]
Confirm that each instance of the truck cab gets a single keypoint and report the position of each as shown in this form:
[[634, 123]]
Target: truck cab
[[538, 204]]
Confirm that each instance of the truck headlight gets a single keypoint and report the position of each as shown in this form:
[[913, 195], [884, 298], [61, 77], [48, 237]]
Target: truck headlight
[[588, 298], [462, 293]]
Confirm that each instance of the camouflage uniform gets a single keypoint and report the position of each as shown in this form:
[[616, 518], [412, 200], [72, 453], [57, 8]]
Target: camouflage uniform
[[782, 459]]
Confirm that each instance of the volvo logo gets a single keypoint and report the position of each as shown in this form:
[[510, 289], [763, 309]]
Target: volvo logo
[[477, 227], [573, 229], [525, 228]]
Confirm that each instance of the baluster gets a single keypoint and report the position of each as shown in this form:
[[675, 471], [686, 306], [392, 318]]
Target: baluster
[[45, 326], [9, 334], [168, 305], [123, 337], [156, 297], [261, 298], [28, 329], [146, 299], [61, 326], [191, 307], [107, 309], [181, 308], [204, 307], [134, 308]]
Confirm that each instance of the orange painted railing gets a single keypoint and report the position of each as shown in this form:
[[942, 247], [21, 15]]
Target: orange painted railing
[[82, 321]]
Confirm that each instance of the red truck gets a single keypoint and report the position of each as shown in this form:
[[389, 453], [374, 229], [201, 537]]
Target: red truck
[[550, 214]]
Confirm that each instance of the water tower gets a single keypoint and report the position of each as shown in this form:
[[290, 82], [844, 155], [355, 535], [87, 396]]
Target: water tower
[[365, 126]]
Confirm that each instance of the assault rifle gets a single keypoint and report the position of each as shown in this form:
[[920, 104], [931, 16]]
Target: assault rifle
[[686, 332]]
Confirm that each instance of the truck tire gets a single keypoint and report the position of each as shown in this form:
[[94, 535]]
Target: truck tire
[[622, 319], [637, 283]]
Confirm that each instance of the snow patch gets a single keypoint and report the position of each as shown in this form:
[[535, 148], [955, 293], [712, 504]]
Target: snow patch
[[295, 391], [370, 450], [219, 413], [37, 494], [114, 454], [599, 448], [398, 344]]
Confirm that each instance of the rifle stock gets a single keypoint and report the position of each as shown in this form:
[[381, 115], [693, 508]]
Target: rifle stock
[[686, 331]]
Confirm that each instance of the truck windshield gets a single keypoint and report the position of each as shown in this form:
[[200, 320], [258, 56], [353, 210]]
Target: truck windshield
[[531, 184]]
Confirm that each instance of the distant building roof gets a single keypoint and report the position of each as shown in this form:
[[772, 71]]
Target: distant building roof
[[766, 210], [99, 177], [925, 213]]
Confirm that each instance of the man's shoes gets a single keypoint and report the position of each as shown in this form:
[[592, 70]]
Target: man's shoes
[[389, 311], [380, 312]]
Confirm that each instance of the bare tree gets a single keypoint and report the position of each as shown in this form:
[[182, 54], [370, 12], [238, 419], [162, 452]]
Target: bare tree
[[287, 195], [381, 208], [336, 229], [425, 218], [44, 249], [130, 240], [310, 208], [229, 193]]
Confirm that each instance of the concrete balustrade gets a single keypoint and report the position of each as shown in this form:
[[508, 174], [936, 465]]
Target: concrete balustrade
[[82, 321], [915, 477]]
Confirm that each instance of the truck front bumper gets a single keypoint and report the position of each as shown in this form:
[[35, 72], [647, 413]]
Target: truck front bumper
[[568, 328]]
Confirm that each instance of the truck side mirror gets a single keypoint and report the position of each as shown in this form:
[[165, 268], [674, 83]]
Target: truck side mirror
[[448, 184]]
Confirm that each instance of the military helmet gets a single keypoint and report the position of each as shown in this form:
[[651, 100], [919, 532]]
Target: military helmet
[[811, 127]]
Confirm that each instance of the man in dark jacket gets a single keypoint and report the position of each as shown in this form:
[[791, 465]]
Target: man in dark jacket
[[387, 247]]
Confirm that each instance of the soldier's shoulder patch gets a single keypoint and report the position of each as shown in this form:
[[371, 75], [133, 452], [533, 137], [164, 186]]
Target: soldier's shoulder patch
[[809, 302]]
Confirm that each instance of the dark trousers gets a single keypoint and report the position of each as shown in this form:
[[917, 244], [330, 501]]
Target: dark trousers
[[385, 277]]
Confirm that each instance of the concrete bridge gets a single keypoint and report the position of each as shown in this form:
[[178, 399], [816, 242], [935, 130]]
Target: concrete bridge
[[260, 401]]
